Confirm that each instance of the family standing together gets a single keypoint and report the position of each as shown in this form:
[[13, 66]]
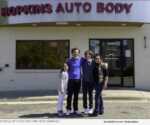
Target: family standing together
[[89, 73]]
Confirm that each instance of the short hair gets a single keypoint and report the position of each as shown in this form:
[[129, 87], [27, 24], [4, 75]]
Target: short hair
[[99, 56], [89, 52], [73, 49]]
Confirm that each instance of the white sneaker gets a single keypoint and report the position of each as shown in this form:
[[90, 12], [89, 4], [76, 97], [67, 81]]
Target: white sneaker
[[86, 111], [68, 112], [90, 111], [60, 113]]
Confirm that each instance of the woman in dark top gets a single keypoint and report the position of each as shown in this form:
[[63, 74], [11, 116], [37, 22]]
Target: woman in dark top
[[100, 75]]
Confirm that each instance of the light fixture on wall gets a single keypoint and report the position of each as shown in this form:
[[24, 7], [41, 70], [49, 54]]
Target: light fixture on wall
[[123, 24], [34, 24], [145, 42], [78, 24], [61, 23]]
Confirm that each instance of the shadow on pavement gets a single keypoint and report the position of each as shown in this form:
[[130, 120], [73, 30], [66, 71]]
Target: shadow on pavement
[[50, 115], [22, 94], [46, 115]]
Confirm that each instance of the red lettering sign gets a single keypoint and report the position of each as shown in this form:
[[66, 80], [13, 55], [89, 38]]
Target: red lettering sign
[[87, 7], [27, 9], [60, 8], [114, 7], [128, 7], [119, 8], [67, 7], [109, 7], [76, 7]]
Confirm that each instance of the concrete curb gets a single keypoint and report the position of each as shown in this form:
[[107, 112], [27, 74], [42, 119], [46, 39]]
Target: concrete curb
[[55, 102], [54, 98], [107, 95]]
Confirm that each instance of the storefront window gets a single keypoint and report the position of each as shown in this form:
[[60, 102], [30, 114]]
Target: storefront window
[[41, 54], [119, 54]]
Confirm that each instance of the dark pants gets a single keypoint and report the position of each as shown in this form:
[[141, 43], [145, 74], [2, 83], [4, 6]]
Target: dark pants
[[98, 98], [87, 88], [73, 90]]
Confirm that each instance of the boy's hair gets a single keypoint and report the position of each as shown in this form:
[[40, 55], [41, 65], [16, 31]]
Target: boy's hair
[[89, 52], [99, 56], [73, 49]]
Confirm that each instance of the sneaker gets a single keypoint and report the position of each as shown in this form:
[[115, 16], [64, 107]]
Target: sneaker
[[77, 113], [94, 114], [68, 112], [60, 113], [101, 112], [86, 111], [90, 111]]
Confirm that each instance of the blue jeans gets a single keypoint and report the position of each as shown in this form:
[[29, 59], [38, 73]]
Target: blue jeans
[[98, 98]]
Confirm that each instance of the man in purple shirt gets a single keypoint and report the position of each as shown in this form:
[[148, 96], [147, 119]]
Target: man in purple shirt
[[74, 83]]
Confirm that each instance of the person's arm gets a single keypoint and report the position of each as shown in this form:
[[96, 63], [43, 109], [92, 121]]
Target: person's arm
[[67, 62], [82, 63], [105, 82], [94, 74], [105, 75], [62, 83], [62, 87]]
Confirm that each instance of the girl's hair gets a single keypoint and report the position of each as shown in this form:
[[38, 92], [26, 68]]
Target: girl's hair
[[62, 68]]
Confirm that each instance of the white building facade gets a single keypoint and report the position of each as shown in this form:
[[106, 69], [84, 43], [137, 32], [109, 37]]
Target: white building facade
[[36, 38]]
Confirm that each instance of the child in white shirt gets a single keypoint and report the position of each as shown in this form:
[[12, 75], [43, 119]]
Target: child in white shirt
[[62, 89]]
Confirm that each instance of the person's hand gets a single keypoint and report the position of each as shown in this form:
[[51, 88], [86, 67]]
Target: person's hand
[[105, 86], [61, 92]]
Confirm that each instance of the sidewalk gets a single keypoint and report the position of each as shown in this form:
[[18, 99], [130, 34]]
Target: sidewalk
[[116, 94], [119, 104]]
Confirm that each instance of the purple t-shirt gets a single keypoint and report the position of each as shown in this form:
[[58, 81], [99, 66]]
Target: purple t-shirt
[[74, 68]]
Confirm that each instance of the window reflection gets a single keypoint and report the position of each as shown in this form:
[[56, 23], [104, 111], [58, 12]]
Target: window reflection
[[41, 54], [119, 54]]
